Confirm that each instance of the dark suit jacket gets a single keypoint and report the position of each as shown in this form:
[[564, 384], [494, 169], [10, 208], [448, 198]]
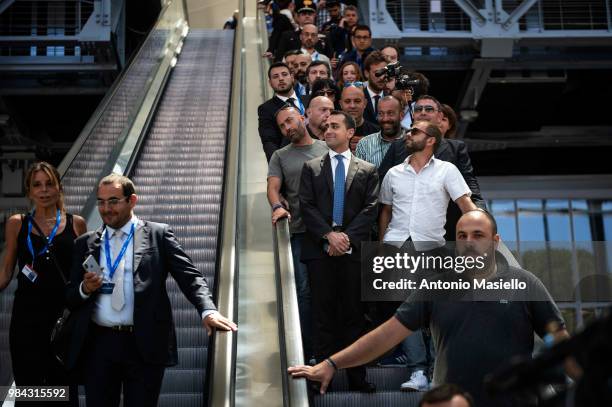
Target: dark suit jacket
[[156, 253], [316, 203], [271, 137], [369, 113], [453, 151], [290, 40]]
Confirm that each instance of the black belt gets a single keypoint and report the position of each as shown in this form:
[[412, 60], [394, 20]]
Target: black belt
[[117, 328], [337, 228]]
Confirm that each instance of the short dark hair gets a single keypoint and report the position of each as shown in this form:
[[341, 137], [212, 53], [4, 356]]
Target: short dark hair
[[350, 7], [362, 27], [277, 65], [438, 104], [423, 87], [286, 106], [445, 392], [349, 122], [375, 57], [397, 51], [321, 84], [317, 63], [127, 186], [292, 52]]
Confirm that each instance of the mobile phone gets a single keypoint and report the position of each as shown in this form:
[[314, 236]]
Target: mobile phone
[[91, 265]]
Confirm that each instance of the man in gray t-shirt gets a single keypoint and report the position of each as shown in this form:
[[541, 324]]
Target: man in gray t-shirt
[[472, 338], [284, 173]]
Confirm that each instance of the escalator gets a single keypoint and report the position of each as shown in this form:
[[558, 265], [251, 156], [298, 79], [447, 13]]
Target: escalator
[[165, 125], [179, 181]]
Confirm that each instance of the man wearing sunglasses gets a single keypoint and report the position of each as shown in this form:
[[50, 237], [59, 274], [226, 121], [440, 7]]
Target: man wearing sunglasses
[[414, 197], [428, 108], [123, 328]]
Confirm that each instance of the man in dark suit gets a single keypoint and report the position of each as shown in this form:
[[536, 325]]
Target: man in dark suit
[[281, 80], [124, 334], [427, 108], [338, 198], [376, 84]]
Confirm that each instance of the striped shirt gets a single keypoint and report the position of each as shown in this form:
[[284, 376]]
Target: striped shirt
[[373, 148]]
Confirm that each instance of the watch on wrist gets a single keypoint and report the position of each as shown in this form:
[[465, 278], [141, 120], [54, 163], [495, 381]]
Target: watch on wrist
[[276, 206]]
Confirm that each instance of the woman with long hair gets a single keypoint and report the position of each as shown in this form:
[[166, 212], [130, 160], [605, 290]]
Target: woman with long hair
[[40, 243], [448, 124], [349, 72]]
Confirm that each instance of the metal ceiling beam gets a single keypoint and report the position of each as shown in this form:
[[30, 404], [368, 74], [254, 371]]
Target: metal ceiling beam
[[518, 12], [471, 10]]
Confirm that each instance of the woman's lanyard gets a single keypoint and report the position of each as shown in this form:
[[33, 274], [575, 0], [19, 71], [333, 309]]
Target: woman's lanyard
[[112, 267], [45, 249]]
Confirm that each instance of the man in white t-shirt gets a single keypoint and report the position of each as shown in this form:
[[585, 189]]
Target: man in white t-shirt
[[413, 200]]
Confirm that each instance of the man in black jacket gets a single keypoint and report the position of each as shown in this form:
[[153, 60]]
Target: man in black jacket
[[454, 151], [338, 197], [123, 333], [281, 80]]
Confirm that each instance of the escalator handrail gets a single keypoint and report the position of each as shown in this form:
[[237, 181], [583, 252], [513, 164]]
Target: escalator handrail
[[295, 393], [222, 368]]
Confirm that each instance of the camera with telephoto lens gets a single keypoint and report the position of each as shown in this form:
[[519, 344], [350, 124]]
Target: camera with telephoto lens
[[402, 81]]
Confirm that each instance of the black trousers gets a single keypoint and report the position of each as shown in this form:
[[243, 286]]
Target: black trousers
[[33, 361], [337, 310], [113, 361]]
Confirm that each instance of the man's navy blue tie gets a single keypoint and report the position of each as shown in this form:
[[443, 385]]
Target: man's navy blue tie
[[339, 191]]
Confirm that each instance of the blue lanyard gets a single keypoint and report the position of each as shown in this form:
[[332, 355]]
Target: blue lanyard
[[58, 220], [112, 267]]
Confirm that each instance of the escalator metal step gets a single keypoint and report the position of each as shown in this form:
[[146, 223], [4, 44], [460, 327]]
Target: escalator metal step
[[378, 399], [385, 378], [179, 181]]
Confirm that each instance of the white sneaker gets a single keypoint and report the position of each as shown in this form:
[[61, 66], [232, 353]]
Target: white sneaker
[[418, 382]]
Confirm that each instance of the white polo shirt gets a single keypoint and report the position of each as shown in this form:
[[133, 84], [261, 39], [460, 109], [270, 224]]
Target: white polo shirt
[[419, 201]]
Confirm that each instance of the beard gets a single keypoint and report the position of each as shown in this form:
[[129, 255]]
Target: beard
[[392, 132], [415, 146]]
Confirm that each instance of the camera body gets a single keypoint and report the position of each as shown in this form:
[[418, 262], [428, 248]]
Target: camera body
[[402, 81]]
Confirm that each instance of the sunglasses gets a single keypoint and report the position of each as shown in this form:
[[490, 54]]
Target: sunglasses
[[427, 108], [328, 92], [415, 130], [356, 84]]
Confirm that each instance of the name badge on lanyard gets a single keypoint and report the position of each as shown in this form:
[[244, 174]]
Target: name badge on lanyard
[[29, 272], [28, 269], [108, 286]]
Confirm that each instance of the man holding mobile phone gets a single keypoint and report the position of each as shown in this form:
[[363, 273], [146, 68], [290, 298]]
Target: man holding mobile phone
[[124, 333]]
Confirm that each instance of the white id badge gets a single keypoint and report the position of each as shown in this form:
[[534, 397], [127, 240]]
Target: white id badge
[[29, 272]]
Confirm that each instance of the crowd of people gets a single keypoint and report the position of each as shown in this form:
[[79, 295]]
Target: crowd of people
[[354, 158]]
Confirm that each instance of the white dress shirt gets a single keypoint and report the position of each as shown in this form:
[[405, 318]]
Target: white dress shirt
[[104, 314], [334, 162], [372, 94], [419, 201]]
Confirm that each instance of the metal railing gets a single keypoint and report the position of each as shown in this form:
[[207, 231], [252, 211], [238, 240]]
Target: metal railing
[[543, 15], [295, 393]]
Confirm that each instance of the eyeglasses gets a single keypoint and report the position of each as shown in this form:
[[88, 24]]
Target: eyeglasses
[[415, 130], [112, 202], [356, 84], [327, 92], [427, 108]]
